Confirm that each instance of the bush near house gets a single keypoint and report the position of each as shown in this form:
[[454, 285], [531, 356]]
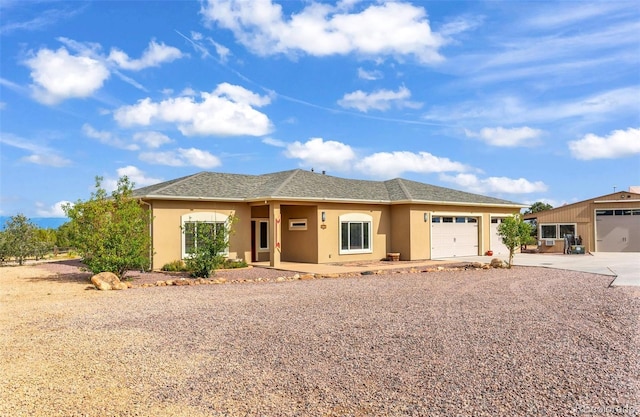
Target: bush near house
[[111, 233]]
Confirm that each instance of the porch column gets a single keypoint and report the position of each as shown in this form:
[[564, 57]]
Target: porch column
[[275, 222]]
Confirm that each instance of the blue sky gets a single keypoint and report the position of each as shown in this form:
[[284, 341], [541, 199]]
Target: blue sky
[[527, 101]]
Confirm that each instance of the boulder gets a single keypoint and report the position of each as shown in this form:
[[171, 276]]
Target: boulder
[[108, 281], [498, 263]]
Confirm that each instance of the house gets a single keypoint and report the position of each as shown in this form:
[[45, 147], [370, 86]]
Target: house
[[609, 223], [303, 216]]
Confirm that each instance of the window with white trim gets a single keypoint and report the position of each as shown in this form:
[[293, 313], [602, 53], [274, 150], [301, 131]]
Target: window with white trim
[[557, 230], [263, 238], [195, 226], [355, 233]]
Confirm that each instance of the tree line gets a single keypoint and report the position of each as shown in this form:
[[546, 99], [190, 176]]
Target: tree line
[[21, 239]]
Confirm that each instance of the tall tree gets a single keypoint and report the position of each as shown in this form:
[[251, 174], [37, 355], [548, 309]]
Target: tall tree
[[111, 233], [537, 207], [514, 232]]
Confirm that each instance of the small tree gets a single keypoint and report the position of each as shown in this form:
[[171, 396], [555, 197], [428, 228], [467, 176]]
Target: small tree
[[20, 237], [514, 232], [111, 233], [210, 244]]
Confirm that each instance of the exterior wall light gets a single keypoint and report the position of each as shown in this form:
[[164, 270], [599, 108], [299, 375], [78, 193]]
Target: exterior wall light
[[426, 217], [324, 216]]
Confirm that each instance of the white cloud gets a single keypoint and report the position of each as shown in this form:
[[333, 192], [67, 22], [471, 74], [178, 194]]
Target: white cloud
[[505, 185], [274, 142], [388, 28], [108, 138], [393, 164], [152, 139], [52, 211], [153, 56], [182, 157], [227, 111], [507, 137], [57, 75], [135, 175], [619, 144], [320, 154], [378, 100], [369, 75], [40, 155]]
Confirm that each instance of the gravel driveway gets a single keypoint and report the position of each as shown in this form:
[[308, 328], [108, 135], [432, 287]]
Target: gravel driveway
[[520, 342]]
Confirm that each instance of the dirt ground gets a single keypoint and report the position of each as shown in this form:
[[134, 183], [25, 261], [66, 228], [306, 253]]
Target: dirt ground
[[520, 342]]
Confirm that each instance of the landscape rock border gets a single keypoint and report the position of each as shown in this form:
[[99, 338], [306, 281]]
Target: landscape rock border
[[182, 281]]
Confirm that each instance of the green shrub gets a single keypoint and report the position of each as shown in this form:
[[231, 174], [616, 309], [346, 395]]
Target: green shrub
[[231, 264], [175, 266]]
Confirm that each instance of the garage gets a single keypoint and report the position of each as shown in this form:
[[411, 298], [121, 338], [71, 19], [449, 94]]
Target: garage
[[618, 230], [497, 246], [453, 236]]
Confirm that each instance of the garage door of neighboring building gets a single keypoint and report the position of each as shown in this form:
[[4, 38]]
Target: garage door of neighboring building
[[453, 236], [618, 230], [497, 246]]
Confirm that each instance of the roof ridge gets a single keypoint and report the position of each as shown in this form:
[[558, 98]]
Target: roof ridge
[[181, 180], [405, 190], [286, 181]]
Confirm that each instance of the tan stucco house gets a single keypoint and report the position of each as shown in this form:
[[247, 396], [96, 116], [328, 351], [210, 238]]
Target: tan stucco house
[[609, 223], [305, 216]]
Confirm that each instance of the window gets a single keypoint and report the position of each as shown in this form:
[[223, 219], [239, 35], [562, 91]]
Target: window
[[548, 231], [263, 242], [297, 224], [435, 220], [567, 229], [201, 225], [556, 231], [355, 233]]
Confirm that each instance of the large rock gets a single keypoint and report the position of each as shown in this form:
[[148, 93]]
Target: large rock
[[498, 263], [107, 281]]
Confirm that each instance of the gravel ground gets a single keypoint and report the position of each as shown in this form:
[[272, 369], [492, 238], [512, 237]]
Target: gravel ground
[[519, 342]]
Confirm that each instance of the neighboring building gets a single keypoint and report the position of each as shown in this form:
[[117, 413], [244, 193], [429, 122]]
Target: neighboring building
[[302, 216], [609, 223]]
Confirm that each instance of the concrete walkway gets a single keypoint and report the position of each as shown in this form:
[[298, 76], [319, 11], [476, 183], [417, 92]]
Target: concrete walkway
[[623, 267]]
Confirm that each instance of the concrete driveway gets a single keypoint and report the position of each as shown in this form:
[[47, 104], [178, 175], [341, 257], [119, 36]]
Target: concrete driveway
[[624, 266]]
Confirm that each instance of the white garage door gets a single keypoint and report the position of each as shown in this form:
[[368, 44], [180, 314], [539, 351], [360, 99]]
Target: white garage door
[[453, 236], [497, 246], [618, 230]]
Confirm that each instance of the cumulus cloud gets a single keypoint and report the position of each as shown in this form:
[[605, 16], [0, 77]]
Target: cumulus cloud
[[57, 75], [393, 164], [108, 138], [226, 111], [618, 144], [504, 185], [152, 139], [52, 211], [321, 154], [182, 157], [39, 154], [507, 137], [320, 29], [378, 100], [153, 56]]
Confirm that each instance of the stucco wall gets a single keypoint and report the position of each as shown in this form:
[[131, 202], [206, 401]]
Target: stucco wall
[[167, 232], [299, 245]]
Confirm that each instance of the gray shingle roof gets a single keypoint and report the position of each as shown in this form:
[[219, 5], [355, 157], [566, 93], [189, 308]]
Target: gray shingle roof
[[305, 185]]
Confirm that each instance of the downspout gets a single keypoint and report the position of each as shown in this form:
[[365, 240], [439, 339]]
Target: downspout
[[150, 233]]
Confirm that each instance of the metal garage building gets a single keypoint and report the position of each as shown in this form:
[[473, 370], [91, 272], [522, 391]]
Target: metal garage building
[[609, 223]]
